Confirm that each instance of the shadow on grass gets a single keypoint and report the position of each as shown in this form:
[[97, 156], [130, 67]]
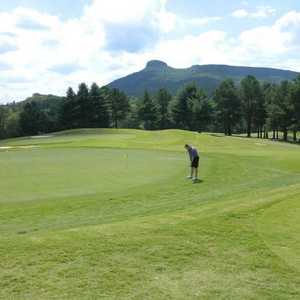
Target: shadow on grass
[[198, 181], [219, 135], [241, 136]]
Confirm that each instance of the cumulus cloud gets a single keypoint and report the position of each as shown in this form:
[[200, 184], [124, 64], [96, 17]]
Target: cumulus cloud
[[260, 12], [115, 11], [110, 40], [291, 19], [264, 12], [259, 46], [208, 47], [30, 24], [240, 13], [202, 21]]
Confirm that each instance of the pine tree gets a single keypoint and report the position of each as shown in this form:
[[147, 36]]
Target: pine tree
[[295, 102], [33, 120], [286, 107], [163, 99], [2, 121], [84, 106], [228, 105], [119, 106], [99, 115], [182, 108], [250, 95], [201, 111], [147, 112], [68, 115]]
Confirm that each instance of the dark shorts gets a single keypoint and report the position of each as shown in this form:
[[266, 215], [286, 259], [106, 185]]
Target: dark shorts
[[195, 162]]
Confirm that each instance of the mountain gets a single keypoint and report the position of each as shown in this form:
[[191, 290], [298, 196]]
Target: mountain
[[158, 74]]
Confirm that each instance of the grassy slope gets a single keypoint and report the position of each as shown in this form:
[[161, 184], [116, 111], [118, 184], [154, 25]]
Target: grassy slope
[[108, 214]]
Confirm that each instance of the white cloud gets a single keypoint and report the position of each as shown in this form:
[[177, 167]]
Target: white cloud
[[46, 54], [74, 42], [209, 47], [202, 21], [266, 40], [116, 11], [292, 18], [267, 46], [58, 53], [167, 20], [240, 13], [260, 12], [264, 12]]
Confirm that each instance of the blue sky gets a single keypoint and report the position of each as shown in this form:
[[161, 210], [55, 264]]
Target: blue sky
[[48, 45]]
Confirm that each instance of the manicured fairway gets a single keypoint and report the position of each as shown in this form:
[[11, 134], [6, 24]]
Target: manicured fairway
[[108, 214]]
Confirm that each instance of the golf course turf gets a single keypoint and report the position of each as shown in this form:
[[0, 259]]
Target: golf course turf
[[109, 214]]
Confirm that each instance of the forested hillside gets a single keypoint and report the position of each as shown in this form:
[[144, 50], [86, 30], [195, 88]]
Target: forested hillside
[[158, 74], [249, 106]]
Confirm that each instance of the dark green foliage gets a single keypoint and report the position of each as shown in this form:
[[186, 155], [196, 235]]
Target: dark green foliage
[[33, 120], [163, 99], [295, 102], [132, 119], [84, 106], [182, 108], [273, 109], [285, 107], [119, 106], [158, 74], [252, 106], [99, 107], [68, 116], [50, 105], [201, 111], [2, 121], [228, 105], [9, 121], [12, 124], [148, 113], [281, 108], [89, 108], [191, 109], [251, 95]]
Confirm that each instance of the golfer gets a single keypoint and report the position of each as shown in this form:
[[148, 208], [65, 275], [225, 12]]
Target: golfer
[[194, 158]]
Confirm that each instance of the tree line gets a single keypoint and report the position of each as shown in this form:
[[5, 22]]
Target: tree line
[[259, 107], [250, 106]]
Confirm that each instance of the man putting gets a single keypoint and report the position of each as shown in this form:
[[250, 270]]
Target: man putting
[[194, 157]]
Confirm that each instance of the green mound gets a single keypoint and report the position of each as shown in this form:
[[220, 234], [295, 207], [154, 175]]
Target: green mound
[[109, 214]]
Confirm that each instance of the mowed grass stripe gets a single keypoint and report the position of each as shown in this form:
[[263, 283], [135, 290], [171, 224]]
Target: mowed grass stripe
[[141, 230]]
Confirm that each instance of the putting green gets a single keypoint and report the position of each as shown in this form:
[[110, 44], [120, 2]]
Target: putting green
[[50, 173], [109, 214]]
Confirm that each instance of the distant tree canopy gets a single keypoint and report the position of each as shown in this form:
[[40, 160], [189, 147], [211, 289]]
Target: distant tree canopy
[[191, 109], [118, 104], [33, 120], [148, 113], [252, 106], [228, 106], [162, 101]]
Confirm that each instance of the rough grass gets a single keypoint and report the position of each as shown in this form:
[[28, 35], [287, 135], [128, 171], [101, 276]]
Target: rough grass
[[108, 214]]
